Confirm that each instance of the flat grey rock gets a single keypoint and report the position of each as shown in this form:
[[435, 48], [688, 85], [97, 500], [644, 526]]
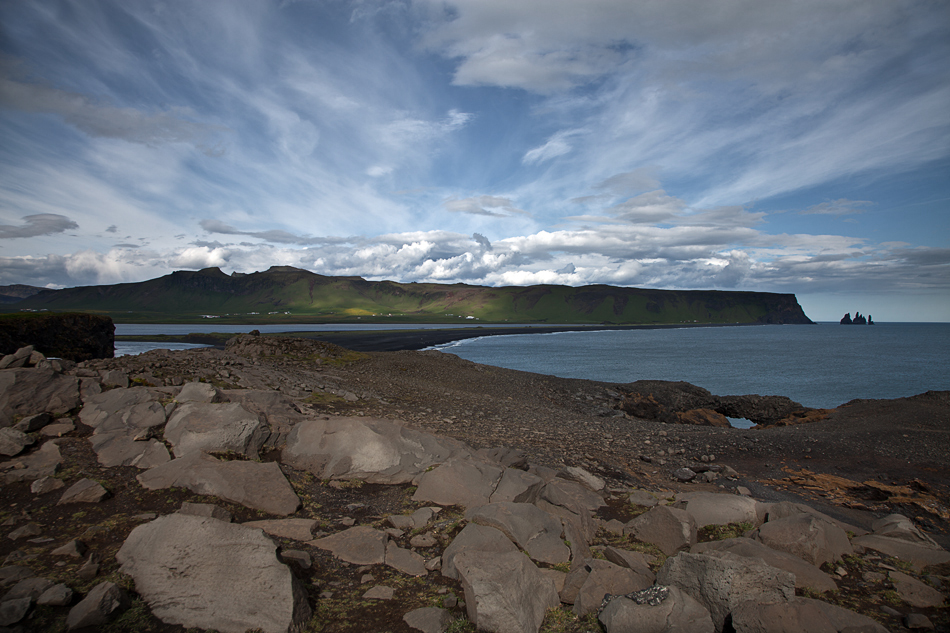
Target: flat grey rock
[[643, 498], [636, 561], [914, 592], [361, 545], [404, 560], [293, 529], [710, 508], [897, 526], [119, 448], [261, 486], [83, 491], [204, 573], [918, 555], [800, 615], [429, 619], [806, 574], [31, 588], [670, 529], [504, 593], [14, 610], [532, 529], [380, 592], [200, 392], [215, 427], [369, 449], [807, 536], [573, 496], [205, 510], [466, 482], [583, 477]]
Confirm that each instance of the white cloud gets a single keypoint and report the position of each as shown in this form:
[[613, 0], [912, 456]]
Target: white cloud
[[556, 146], [494, 206]]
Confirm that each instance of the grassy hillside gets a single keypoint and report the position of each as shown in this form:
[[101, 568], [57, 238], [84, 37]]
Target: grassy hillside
[[284, 294]]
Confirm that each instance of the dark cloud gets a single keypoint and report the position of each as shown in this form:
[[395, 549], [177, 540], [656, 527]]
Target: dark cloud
[[38, 224]]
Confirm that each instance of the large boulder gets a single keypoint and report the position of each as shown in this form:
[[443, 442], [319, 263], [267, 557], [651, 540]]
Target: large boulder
[[474, 538], [204, 573], [504, 593], [709, 508], [670, 529], [370, 449], [720, 581], [26, 392], [533, 530], [804, 535], [13, 441], [656, 610], [806, 574], [213, 427], [261, 486]]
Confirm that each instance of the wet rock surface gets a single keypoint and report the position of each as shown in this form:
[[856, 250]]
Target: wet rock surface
[[448, 513]]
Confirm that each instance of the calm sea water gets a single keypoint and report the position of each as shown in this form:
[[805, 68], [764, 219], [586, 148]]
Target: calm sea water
[[822, 365]]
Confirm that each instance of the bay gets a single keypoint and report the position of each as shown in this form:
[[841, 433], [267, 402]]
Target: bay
[[822, 365]]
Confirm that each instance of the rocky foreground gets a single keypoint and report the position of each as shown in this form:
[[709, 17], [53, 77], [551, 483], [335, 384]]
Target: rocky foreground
[[291, 485]]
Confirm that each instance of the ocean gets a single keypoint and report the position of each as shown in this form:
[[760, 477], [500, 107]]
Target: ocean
[[822, 365]]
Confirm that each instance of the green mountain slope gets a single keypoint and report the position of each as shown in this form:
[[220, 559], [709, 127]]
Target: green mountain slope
[[285, 294]]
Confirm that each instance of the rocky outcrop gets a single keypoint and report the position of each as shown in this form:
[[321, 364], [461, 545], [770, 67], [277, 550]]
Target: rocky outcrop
[[684, 403], [73, 336]]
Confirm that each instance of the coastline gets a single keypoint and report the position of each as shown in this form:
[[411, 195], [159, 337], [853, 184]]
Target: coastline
[[414, 340]]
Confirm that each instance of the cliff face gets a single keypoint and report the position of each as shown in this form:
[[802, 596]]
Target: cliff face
[[284, 290], [76, 337]]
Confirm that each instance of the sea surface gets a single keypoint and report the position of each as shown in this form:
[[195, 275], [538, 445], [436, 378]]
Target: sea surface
[[822, 365]]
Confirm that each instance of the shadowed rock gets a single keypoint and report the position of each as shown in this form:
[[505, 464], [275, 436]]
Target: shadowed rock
[[31, 391], [720, 581], [806, 574], [675, 611]]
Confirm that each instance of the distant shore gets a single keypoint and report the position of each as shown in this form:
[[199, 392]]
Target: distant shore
[[398, 340]]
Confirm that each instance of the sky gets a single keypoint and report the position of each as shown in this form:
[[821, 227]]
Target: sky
[[795, 147]]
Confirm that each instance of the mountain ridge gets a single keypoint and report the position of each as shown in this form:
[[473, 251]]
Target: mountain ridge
[[287, 293]]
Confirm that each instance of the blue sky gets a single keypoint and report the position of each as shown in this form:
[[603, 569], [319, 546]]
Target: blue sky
[[744, 145]]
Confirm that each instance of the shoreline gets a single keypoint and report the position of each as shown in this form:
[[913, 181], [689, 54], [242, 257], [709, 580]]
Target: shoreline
[[414, 340]]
